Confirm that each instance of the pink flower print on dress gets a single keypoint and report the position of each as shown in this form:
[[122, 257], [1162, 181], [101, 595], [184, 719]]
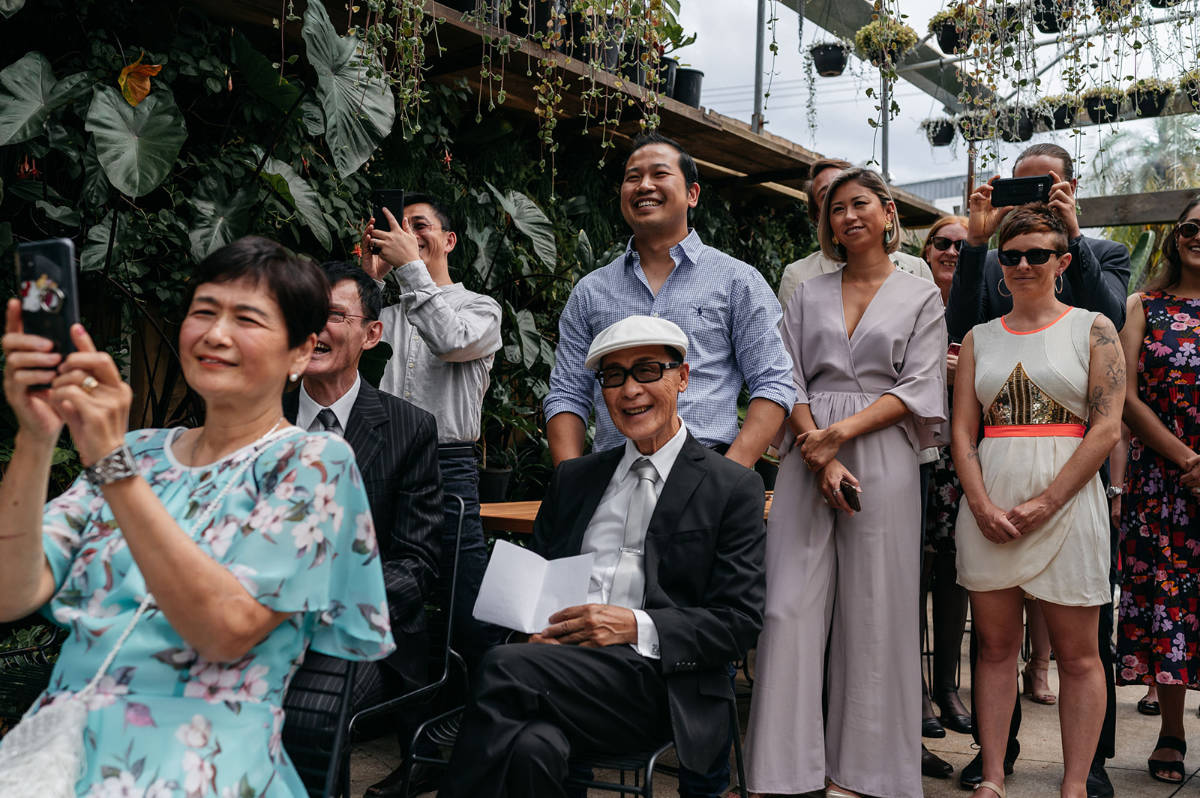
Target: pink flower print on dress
[[196, 733], [213, 682]]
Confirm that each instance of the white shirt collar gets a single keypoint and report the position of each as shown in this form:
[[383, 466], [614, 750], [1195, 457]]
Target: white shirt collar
[[663, 459], [308, 407]]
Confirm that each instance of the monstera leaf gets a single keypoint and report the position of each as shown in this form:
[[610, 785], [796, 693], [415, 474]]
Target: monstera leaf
[[358, 105], [136, 146], [530, 220], [219, 220], [31, 94], [296, 191]]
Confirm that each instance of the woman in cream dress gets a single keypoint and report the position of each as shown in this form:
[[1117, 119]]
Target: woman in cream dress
[[1047, 383]]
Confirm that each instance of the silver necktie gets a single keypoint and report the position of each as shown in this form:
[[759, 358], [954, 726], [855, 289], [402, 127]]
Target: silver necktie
[[326, 420], [629, 578]]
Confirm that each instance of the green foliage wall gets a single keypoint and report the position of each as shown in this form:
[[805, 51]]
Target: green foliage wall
[[238, 136]]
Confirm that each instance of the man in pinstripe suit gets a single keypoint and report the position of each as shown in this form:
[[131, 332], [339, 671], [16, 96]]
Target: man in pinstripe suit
[[395, 444]]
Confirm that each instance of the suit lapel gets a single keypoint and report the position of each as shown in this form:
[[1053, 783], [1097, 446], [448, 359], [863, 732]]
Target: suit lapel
[[366, 415], [686, 475]]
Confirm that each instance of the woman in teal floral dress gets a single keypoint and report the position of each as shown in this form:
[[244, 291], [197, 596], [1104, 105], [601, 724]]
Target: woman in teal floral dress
[[253, 537], [1160, 523]]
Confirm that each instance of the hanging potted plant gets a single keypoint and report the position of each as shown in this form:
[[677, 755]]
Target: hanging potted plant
[[1051, 16], [1109, 11], [829, 58], [884, 41], [975, 125], [1003, 21], [954, 26], [1102, 103], [1059, 110], [1148, 96], [939, 131], [1189, 83], [1164, 3], [1016, 124]]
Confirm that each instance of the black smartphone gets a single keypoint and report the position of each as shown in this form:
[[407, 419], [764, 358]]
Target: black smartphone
[[1021, 190], [49, 290], [390, 198], [850, 494]]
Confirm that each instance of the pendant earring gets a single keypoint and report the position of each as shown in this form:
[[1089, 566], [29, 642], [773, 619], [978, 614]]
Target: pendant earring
[[293, 377], [836, 243], [1002, 287], [887, 228], [1058, 284]]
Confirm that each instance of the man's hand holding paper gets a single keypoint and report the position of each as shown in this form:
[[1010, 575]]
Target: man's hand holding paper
[[591, 625]]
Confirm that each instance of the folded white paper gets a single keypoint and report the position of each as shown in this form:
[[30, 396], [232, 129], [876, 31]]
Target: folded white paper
[[521, 590]]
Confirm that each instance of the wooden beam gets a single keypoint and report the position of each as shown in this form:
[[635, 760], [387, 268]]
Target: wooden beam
[[1157, 207]]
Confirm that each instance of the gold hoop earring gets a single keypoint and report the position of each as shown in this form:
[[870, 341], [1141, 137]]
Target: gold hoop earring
[[1058, 284], [1001, 287]]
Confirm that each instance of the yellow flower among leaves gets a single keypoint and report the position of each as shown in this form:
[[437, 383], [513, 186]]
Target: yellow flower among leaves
[[135, 80]]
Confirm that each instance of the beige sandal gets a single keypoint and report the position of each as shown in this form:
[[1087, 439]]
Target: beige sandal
[[834, 791], [996, 788]]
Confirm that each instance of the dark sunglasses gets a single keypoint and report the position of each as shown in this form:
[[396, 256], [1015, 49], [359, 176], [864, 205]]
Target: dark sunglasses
[[652, 371], [941, 243], [1036, 257], [1188, 229]]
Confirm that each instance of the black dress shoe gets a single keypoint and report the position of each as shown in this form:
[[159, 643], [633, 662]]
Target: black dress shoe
[[934, 766], [953, 720], [972, 775], [932, 727], [1098, 785]]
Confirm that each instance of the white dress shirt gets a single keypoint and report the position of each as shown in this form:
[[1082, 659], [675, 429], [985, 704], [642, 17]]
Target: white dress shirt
[[307, 408], [605, 533]]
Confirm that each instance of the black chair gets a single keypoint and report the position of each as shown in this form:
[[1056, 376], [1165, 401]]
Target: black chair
[[317, 708], [446, 661]]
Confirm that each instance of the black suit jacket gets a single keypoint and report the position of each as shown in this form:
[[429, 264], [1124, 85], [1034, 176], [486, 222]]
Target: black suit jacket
[[1095, 280], [395, 445], [704, 576]]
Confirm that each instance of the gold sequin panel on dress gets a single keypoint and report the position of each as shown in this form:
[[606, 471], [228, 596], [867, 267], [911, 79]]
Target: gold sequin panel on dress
[[1021, 401]]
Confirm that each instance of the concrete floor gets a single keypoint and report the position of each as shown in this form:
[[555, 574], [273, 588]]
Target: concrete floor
[[1038, 770]]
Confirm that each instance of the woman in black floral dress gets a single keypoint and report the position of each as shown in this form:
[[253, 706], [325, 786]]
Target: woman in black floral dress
[[1160, 525]]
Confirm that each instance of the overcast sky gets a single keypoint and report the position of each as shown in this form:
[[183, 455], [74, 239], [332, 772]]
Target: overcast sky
[[724, 50]]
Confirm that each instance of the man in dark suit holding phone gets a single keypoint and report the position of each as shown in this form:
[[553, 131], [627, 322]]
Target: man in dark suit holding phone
[[1096, 280], [395, 446], [676, 592]]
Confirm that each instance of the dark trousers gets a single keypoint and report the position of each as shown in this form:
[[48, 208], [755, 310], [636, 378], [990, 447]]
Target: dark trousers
[[532, 705], [460, 476]]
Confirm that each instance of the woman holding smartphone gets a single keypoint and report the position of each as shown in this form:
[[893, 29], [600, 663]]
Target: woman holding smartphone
[[868, 345], [1047, 383]]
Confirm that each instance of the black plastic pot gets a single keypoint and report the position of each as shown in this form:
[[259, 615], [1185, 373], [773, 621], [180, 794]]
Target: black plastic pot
[[1111, 9], [1062, 117], [940, 132], [1048, 14], [687, 86], [1149, 103], [546, 18], [493, 484], [973, 128], [633, 68], [460, 5], [573, 33], [829, 59], [1191, 89], [950, 39], [606, 52], [1165, 3], [1016, 125], [668, 68], [1003, 18], [1102, 109]]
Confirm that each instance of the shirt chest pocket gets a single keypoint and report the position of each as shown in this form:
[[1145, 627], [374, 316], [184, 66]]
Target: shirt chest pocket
[[707, 327]]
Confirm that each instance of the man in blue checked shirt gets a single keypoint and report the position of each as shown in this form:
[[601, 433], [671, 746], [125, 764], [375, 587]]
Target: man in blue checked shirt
[[728, 311]]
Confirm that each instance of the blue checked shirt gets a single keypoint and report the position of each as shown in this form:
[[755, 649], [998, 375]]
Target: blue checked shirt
[[731, 318]]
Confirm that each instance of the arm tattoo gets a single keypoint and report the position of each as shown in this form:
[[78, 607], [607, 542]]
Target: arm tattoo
[[1098, 402], [973, 451]]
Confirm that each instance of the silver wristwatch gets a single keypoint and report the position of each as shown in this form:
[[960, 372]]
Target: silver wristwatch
[[113, 467], [1112, 491]]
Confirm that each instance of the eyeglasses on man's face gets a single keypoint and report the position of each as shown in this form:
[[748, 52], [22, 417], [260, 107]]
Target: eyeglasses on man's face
[[1036, 257], [942, 243], [338, 317], [649, 371], [1188, 229]]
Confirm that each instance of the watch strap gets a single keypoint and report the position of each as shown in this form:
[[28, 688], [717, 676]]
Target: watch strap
[[113, 467]]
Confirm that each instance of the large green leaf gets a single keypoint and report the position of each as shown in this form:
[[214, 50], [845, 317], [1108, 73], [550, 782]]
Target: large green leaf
[[218, 221], [530, 220], [296, 191], [10, 7], [358, 104], [261, 77], [32, 93], [527, 344], [136, 146], [95, 247]]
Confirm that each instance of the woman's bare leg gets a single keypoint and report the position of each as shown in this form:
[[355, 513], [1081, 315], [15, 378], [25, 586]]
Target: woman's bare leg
[[1081, 689], [997, 624]]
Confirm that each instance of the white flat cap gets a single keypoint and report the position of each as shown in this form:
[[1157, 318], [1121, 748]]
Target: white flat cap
[[635, 331]]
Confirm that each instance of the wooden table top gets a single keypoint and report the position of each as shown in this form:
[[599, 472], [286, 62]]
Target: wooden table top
[[517, 517]]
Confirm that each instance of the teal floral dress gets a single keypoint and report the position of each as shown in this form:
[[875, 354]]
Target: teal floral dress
[[296, 531]]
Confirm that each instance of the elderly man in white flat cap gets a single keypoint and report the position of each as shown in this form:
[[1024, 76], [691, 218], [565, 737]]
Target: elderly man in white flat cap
[[676, 592]]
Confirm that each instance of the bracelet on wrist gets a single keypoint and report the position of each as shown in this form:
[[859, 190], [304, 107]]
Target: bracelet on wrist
[[112, 467]]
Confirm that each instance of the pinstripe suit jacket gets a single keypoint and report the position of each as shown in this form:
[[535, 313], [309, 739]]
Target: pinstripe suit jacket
[[395, 444]]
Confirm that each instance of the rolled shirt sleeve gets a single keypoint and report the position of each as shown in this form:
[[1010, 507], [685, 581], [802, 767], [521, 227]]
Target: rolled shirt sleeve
[[571, 385], [757, 345]]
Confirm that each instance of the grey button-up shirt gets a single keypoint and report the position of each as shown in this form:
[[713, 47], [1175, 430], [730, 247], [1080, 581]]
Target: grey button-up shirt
[[444, 339]]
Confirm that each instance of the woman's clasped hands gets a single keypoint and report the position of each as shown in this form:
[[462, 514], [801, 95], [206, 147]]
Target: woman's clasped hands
[[819, 448]]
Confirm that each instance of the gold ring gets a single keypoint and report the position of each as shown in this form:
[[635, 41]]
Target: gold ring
[[89, 383]]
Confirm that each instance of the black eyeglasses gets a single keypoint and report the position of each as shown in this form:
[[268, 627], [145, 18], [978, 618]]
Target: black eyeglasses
[[650, 371], [337, 317], [1188, 229], [941, 243], [1036, 257]]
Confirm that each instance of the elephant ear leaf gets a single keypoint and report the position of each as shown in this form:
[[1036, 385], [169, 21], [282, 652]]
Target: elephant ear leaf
[[262, 78], [532, 221], [219, 220], [136, 146], [30, 94], [295, 191], [352, 90]]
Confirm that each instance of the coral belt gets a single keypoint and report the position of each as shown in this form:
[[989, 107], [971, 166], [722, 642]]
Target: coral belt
[[1034, 431]]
